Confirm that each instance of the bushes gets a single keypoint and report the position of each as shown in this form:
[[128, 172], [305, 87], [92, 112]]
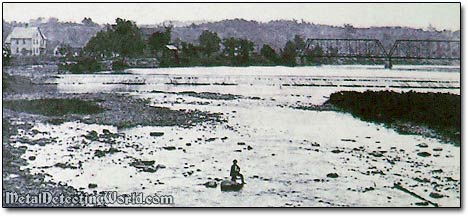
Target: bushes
[[119, 64], [438, 111], [83, 65]]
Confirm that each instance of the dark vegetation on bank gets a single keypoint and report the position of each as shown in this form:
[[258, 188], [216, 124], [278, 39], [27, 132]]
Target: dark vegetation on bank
[[407, 112], [108, 109], [53, 107]]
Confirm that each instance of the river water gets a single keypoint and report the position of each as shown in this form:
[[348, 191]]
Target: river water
[[284, 153]]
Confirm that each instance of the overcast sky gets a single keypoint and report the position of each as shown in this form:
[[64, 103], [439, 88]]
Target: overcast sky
[[419, 15]]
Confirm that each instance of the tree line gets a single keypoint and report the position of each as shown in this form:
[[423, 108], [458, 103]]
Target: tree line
[[124, 40]]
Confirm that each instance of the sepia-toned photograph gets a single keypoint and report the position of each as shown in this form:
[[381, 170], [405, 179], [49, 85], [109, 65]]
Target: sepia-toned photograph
[[231, 104]]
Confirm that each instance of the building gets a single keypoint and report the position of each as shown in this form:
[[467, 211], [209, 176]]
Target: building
[[175, 51], [26, 41], [62, 50]]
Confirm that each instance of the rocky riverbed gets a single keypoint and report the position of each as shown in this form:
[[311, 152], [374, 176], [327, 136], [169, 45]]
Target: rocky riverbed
[[179, 140]]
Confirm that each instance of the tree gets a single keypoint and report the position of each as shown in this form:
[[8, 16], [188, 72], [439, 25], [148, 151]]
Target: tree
[[6, 56], [269, 53], [158, 40], [65, 50], [88, 21], [209, 42], [123, 39], [349, 30], [238, 50], [189, 51], [289, 54], [314, 55], [300, 43]]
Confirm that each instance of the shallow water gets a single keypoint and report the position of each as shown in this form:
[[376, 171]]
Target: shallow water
[[287, 153]]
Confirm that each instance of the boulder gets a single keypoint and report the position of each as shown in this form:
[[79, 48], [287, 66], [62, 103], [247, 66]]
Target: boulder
[[422, 145], [211, 184], [228, 185], [156, 134], [169, 148], [424, 154]]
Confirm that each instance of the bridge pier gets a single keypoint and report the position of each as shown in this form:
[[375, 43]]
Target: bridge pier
[[389, 64]]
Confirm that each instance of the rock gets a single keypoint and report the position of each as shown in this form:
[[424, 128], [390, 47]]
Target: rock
[[436, 195], [91, 185], [145, 166], [228, 185], [241, 143], [169, 148], [105, 131], [211, 184], [424, 154], [368, 189], [332, 175], [210, 139], [422, 203], [32, 157], [450, 179], [376, 154], [92, 135], [188, 144], [101, 153], [422, 145], [249, 148], [348, 140], [336, 151], [156, 134]]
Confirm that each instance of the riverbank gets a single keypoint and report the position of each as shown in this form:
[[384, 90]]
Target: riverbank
[[436, 115]]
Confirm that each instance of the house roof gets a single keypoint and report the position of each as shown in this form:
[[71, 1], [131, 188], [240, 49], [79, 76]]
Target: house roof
[[24, 32], [171, 47]]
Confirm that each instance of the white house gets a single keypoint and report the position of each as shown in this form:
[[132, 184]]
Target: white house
[[26, 41]]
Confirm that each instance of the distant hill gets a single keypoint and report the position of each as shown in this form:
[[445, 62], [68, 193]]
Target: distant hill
[[274, 33], [277, 33]]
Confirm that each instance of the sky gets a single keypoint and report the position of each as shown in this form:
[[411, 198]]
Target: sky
[[417, 15]]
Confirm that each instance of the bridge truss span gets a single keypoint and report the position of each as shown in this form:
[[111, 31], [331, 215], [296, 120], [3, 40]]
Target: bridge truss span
[[373, 48]]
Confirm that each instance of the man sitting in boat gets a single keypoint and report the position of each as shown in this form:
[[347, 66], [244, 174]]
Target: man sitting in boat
[[235, 172]]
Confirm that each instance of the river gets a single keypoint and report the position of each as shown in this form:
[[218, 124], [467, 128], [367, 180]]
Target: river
[[284, 153]]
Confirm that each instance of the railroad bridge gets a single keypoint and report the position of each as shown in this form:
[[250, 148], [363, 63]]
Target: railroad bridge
[[373, 49]]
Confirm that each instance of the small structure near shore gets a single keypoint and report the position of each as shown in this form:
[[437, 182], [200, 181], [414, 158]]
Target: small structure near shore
[[175, 51]]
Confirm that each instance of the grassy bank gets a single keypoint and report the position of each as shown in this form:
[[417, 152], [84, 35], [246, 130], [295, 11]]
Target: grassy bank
[[409, 112], [53, 107]]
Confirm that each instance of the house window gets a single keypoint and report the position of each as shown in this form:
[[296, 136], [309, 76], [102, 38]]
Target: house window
[[17, 41], [17, 49], [24, 41]]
